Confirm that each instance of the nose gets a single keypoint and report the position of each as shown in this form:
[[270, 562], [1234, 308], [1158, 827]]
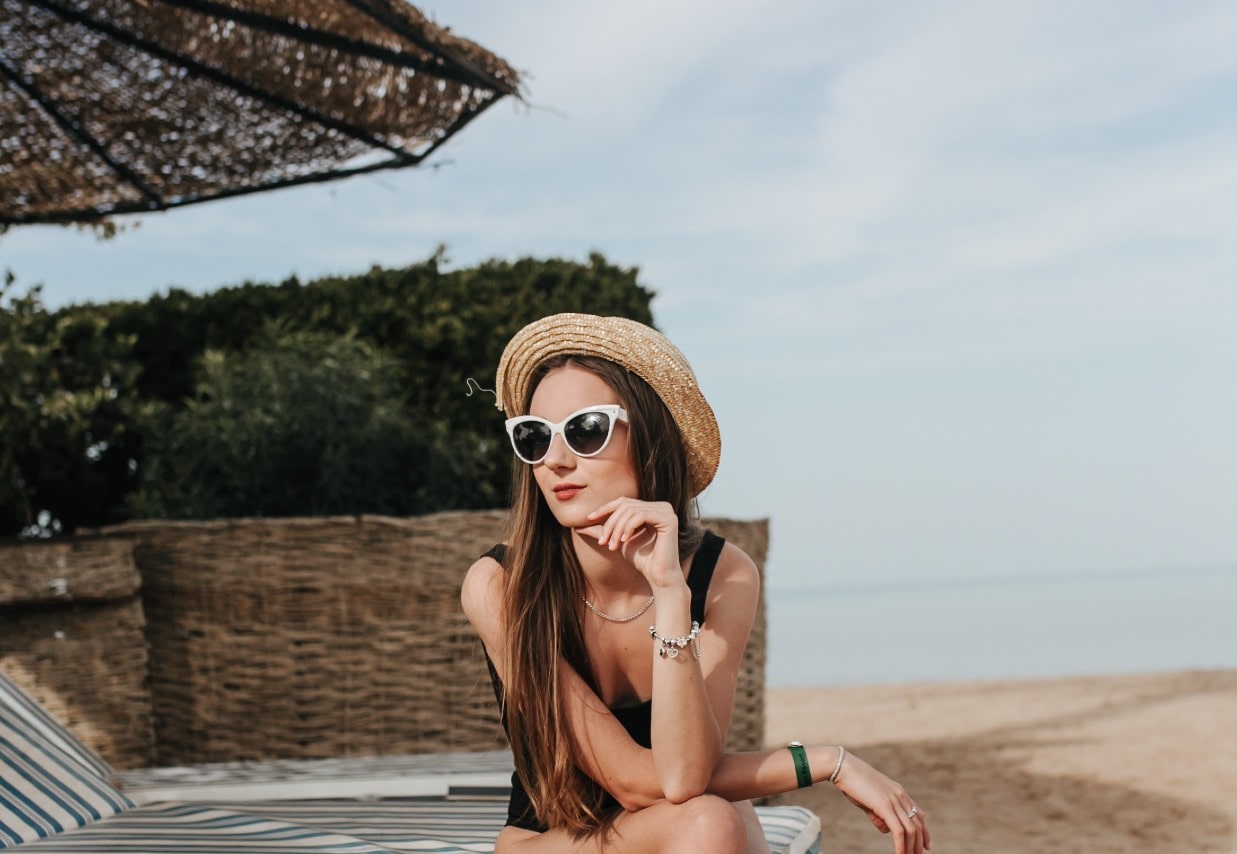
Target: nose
[[558, 455]]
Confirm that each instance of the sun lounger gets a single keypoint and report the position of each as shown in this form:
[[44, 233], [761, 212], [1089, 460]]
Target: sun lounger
[[56, 795]]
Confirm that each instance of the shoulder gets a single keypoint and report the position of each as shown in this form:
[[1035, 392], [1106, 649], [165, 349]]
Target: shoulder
[[482, 599], [735, 567], [731, 562], [735, 587], [481, 593]]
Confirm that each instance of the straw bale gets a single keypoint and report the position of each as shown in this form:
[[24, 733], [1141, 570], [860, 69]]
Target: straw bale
[[747, 723], [71, 570], [314, 637], [87, 663]]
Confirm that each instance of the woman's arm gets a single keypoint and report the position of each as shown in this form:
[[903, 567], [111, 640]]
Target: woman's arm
[[681, 710], [742, 776], [626, 770], [692, 697]]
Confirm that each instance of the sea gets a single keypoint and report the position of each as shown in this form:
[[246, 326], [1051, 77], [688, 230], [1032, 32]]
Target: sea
[[1048, 625]]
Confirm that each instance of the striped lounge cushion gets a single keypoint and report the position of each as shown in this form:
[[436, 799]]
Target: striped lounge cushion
[[176, 828], [401, 826], [43, 789], [41, 721]]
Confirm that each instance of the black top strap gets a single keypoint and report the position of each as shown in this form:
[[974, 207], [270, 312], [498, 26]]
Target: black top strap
[[701, 574]]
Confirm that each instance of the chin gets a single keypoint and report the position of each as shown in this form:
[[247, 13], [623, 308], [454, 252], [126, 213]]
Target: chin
[[571, 515], [572, 518]]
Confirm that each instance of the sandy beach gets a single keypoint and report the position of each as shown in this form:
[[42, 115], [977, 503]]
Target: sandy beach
[[1096, 764]]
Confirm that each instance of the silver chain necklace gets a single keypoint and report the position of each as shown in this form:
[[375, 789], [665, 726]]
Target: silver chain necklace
[[605, 616]]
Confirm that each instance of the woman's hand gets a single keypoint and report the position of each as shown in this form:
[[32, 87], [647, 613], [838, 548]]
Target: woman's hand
[[646, 533], [887, 804]]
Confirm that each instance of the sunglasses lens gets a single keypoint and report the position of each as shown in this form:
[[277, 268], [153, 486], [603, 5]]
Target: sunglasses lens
[[531, 440], [587, 433]]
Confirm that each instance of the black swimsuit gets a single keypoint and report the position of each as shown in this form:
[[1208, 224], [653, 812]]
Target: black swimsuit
[[636, 719]]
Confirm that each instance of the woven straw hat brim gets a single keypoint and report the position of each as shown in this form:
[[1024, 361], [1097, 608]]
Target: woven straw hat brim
[[640, 349]]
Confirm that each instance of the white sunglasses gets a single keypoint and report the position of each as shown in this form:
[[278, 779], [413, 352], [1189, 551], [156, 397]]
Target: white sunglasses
[[586, 432]]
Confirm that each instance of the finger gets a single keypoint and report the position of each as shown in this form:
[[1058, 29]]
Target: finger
[[906, 828], [921, 819], [913, 826], [630, 527], [628, 512], [612, 522], [616, 524], [898, 829], [908, 835], [601, 516], [637, 540], [593, 531]]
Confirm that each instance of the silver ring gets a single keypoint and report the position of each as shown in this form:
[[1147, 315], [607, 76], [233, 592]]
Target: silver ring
[[914, 812]]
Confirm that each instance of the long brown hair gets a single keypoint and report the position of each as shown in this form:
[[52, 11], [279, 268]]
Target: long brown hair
[[542, 600]]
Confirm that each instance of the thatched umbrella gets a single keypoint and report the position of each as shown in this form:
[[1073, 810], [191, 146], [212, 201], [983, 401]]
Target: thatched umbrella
[[121, 106]]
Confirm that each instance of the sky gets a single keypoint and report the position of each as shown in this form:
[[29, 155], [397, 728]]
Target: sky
[[958, 278]]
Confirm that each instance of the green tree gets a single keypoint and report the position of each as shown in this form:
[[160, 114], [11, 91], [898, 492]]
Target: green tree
[[67, 404], [442, 327], [303, 423]]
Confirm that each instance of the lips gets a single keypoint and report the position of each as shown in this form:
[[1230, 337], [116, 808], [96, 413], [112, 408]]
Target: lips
[[567, 491]]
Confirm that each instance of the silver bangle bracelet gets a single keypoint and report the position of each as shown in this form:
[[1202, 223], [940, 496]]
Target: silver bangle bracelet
[[833, 778], [670, 646]]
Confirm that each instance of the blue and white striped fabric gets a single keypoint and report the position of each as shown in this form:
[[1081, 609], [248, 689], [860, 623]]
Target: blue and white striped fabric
[[790, 830], [43, 790], [403, 826], [173, 828], [41, 721], [431, 826]]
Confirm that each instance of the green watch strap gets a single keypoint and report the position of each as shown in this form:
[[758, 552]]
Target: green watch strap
[[803, 772]]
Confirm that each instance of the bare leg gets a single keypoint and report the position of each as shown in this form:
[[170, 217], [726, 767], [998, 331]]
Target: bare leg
[[706, 823], [756, 842]]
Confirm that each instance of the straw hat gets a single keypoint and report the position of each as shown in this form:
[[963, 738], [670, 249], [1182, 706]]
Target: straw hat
[[638, 348]]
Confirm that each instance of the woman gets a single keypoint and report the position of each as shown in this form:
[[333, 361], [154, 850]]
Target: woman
[[619, 723]]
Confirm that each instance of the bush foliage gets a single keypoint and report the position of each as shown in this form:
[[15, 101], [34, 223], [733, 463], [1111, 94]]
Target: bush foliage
[[68, 412], [338, 396]]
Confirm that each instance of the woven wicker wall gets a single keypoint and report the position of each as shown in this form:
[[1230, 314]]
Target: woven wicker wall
[[328, 637], [747, 723], [71, 633]]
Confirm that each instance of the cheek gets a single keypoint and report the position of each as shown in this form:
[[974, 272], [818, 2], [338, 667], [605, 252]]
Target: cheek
[[623, 476], [541, 477], [623, 470]]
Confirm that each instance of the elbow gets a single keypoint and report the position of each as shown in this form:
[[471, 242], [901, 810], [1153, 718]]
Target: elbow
[[635, 795], [634, 792], [685, 787], [632, 797], [682, 779]]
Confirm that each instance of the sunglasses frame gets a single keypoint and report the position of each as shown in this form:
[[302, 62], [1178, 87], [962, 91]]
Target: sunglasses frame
[[615, 412]]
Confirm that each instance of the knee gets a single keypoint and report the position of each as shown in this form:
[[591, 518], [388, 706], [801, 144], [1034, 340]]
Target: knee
[[710, 823]]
